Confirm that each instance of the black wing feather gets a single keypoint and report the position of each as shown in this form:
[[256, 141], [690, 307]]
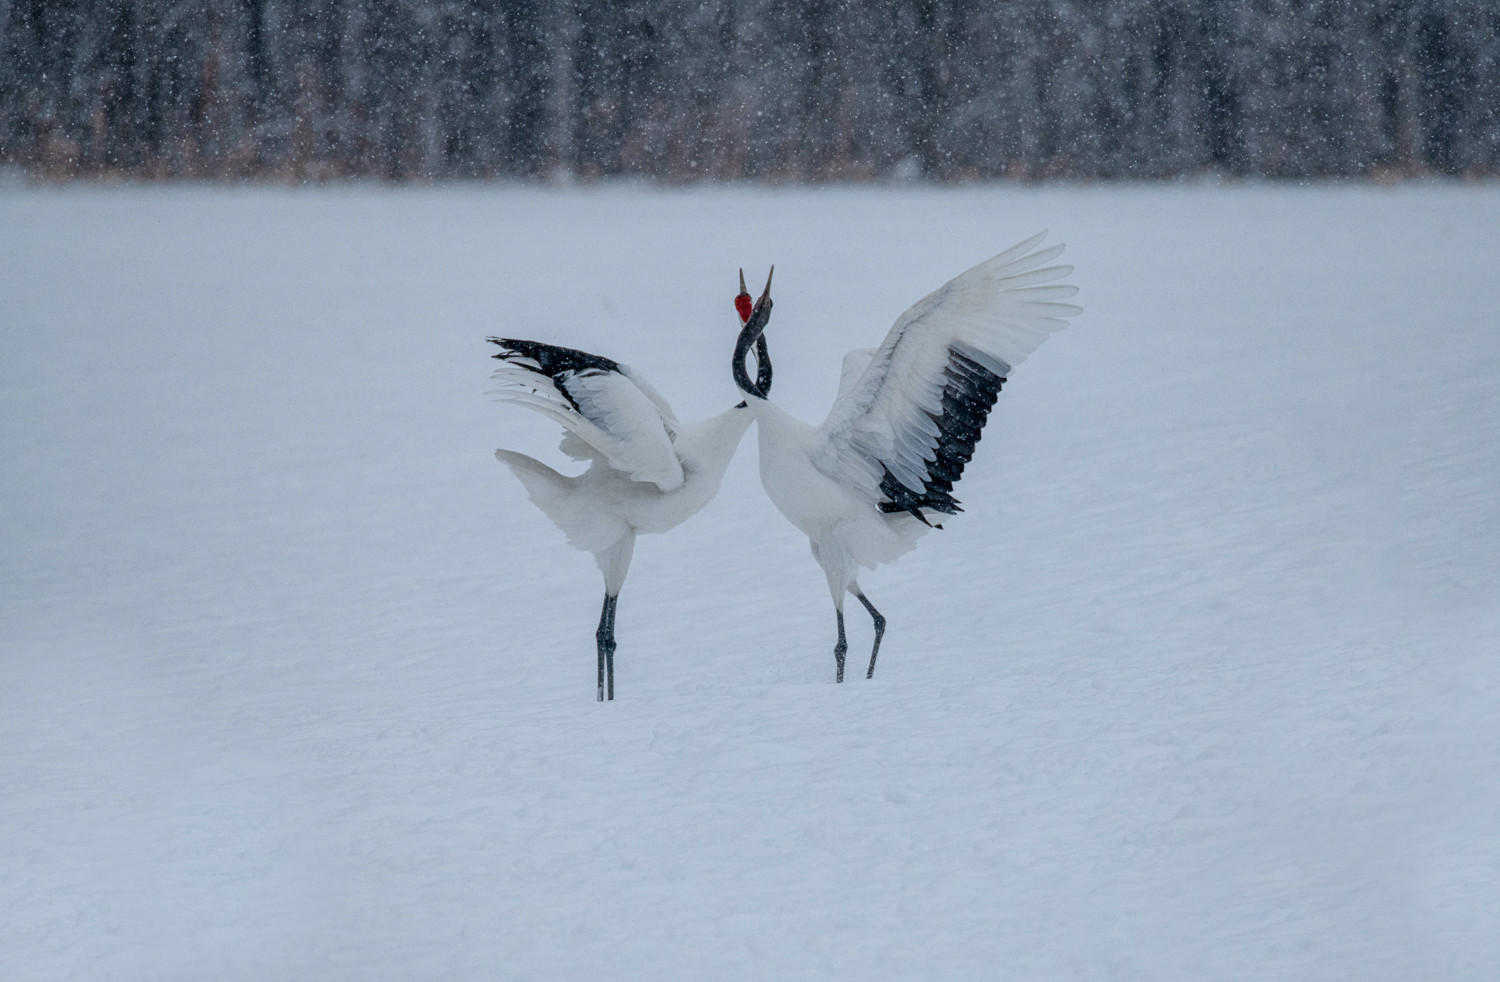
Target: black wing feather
[[554, 361], [970, 391]]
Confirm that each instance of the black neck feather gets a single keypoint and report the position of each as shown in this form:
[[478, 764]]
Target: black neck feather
[[763, 367], [751, 335]]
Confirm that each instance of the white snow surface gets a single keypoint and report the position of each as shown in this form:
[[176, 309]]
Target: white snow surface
[[296, 683]]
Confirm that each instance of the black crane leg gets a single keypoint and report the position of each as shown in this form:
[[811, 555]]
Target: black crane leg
[[839, 648], [879, 631], [605, 638]]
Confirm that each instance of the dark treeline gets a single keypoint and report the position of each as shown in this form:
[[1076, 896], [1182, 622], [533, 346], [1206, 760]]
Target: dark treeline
[[759, 89]]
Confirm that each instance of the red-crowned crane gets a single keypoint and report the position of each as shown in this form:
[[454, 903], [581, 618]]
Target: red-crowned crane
[[864, 485], [647, 472]]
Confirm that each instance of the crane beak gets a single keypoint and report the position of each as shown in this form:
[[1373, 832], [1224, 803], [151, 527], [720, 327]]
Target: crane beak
[[766, 293], [765, 300]]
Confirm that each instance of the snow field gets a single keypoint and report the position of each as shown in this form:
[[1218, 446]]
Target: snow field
[[294, 682]]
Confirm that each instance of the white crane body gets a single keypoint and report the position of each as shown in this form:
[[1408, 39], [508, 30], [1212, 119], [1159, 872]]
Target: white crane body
[[602, 505], [828, 511]]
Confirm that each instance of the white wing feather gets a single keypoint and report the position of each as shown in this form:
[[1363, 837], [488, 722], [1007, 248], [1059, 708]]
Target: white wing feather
[[998, 313], [574, 446], [618, 418], [855, 363]]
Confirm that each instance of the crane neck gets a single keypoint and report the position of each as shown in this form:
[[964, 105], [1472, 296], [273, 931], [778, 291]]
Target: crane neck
[[706, 446], [763, 367], [752, 335]]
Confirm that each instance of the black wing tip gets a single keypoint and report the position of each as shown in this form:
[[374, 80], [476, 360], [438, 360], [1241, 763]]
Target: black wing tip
[[891, 508], [512, 347], [553, 359], [902, 499]]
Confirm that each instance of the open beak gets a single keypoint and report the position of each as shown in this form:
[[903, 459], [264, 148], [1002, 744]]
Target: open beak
[[742, 304], [765, 296]]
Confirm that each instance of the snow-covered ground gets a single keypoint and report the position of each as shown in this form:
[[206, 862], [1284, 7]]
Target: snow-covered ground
[[296, 684]]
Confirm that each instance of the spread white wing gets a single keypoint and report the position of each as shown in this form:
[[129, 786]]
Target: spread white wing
[[903, 428], [610, 413]]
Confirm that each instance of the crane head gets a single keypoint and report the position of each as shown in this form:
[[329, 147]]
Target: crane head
[[742, 302]]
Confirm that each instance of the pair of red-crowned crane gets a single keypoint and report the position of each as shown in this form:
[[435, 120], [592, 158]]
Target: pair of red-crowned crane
[[863, 486]]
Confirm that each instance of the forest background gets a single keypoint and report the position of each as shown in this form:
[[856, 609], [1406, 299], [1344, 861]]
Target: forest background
[[762, 90]]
